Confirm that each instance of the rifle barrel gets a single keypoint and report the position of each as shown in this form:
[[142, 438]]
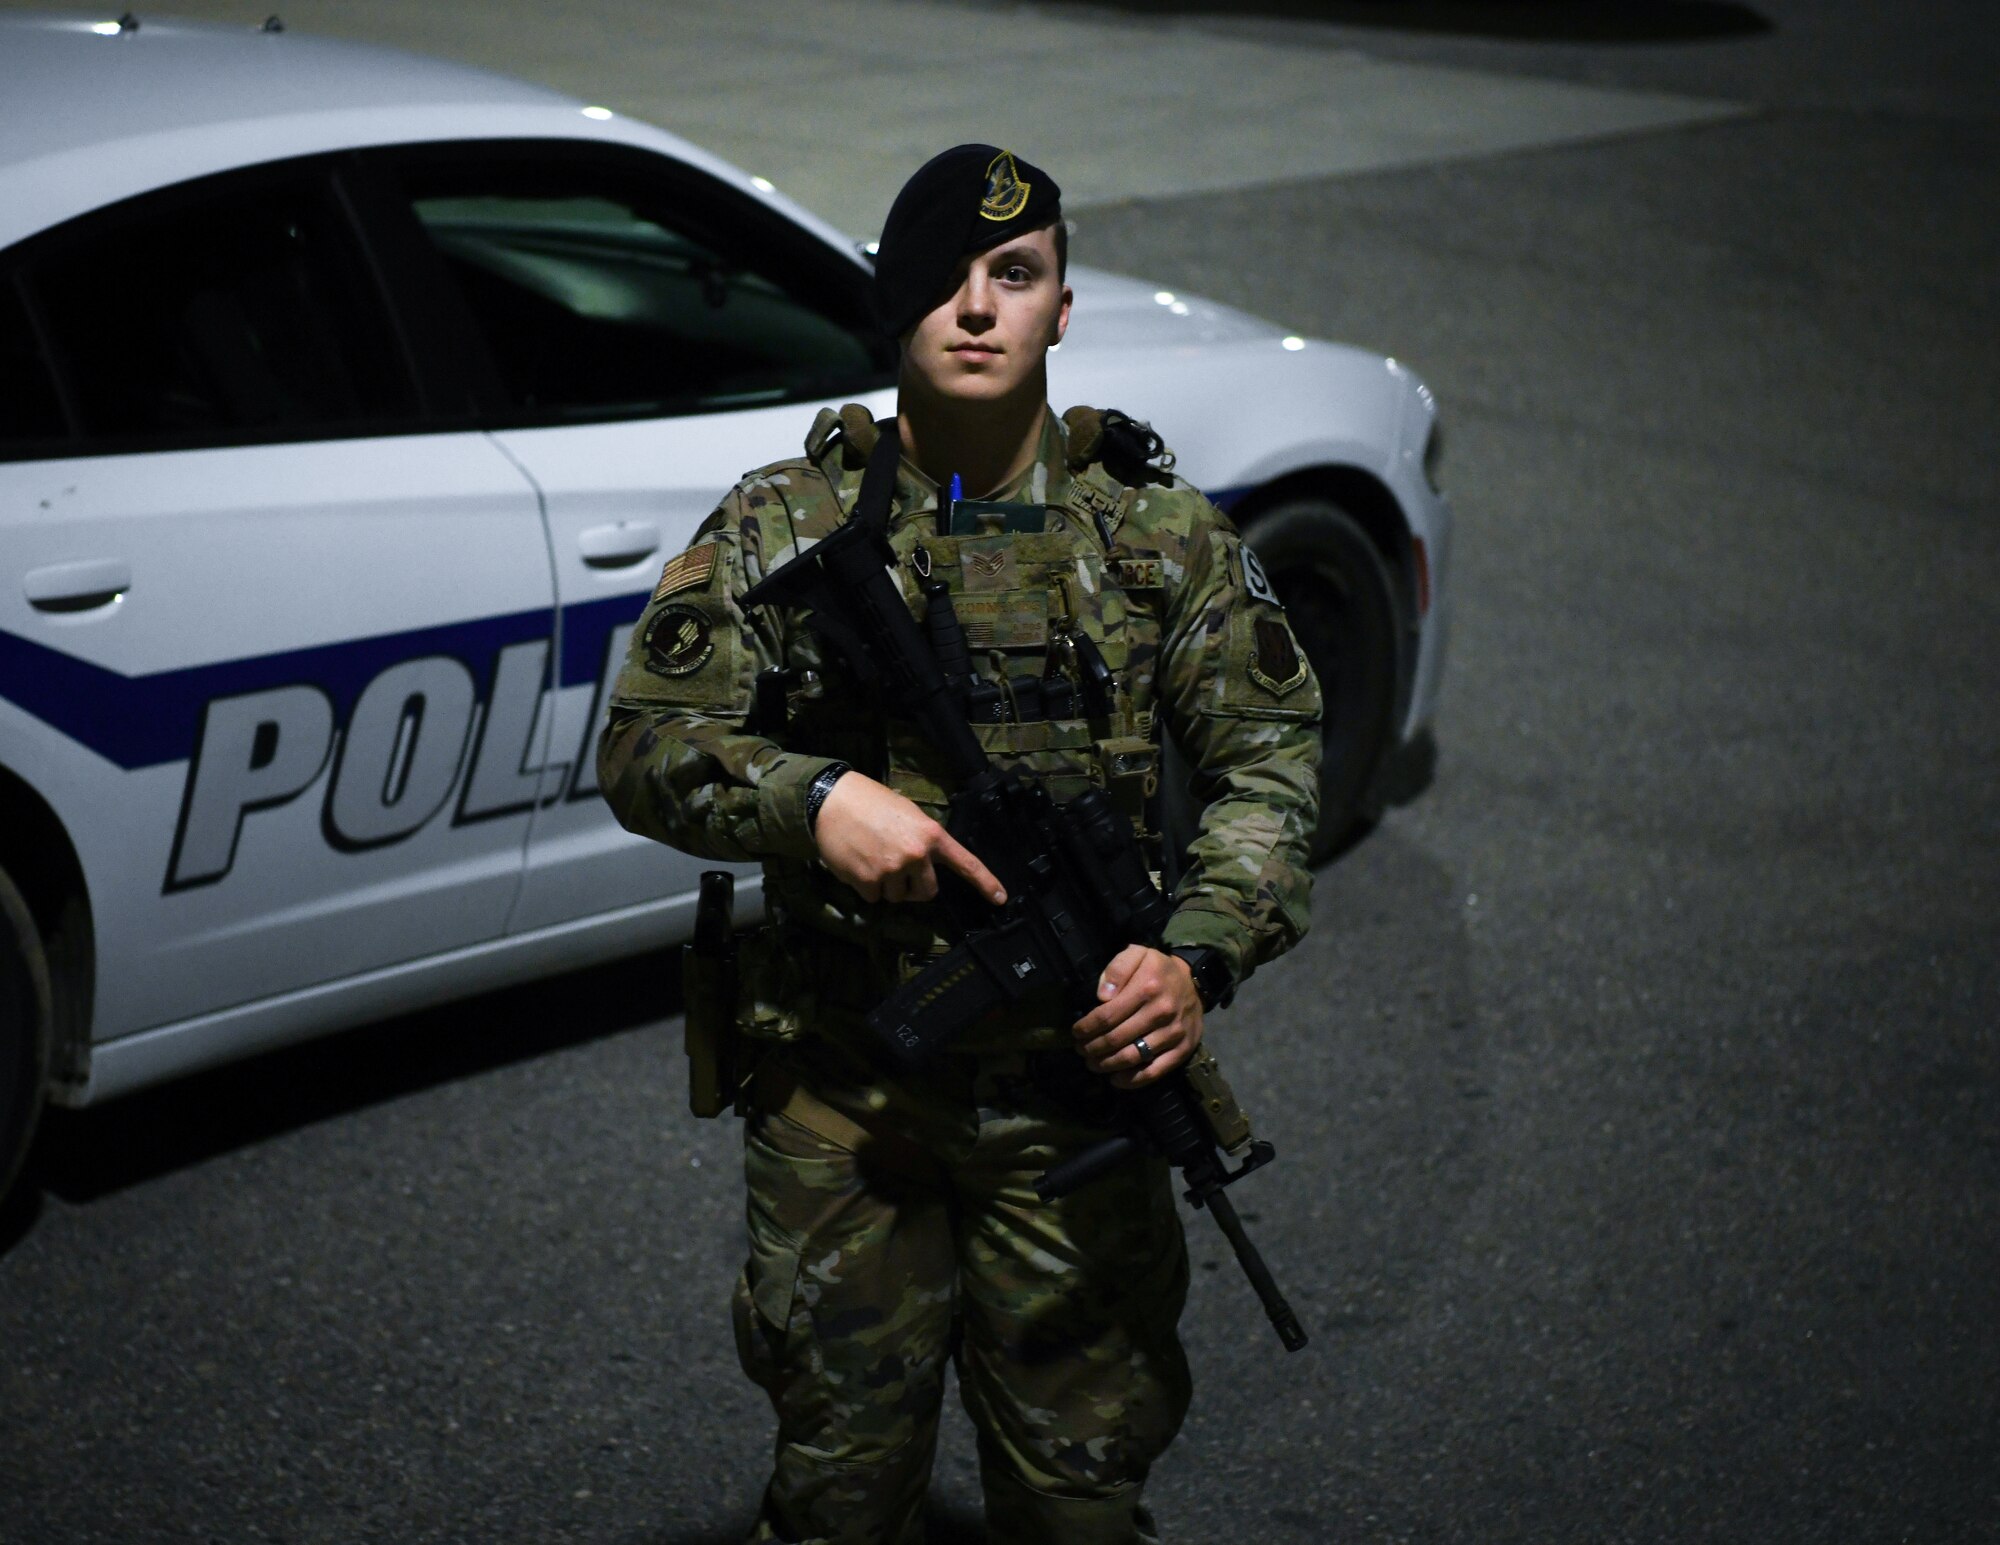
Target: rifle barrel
[[1280, 1313]]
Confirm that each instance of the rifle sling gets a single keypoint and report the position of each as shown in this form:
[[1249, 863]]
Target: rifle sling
[[878, 482]]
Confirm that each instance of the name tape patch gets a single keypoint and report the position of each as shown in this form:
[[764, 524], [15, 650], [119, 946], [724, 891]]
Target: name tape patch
[[1137, 573]]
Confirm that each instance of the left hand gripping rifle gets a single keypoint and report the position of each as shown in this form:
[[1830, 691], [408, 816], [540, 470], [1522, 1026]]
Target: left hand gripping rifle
[[1078, 888]]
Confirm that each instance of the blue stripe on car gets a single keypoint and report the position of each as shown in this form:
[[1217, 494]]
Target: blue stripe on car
[[150, 719]]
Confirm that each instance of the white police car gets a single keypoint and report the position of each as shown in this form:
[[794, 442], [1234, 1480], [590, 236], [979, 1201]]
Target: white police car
[[349, 403]]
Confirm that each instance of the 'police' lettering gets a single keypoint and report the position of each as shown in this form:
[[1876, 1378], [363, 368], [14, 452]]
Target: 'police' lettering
[[501, 780], [401, 754], [253, 751], [401, 757]]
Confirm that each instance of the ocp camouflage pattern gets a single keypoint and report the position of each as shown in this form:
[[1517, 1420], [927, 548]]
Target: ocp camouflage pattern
[[866, 1265], [1153, 574]]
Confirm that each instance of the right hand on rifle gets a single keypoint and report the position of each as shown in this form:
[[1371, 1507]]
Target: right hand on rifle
[[881, 844], [1146, 995]]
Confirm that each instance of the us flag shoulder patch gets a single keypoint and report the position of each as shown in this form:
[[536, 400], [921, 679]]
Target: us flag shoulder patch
[[691, 568]]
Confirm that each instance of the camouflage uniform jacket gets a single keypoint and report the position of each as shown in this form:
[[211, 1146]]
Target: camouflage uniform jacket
[[1154, 574]]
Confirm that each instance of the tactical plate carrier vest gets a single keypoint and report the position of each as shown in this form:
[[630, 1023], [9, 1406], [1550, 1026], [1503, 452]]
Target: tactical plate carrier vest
[[1039, 609]]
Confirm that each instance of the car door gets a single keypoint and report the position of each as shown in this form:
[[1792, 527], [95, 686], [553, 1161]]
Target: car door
[[280, 626], [652, 334]]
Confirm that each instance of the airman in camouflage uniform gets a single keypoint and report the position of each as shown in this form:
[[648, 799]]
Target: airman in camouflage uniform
[[893, 1220]]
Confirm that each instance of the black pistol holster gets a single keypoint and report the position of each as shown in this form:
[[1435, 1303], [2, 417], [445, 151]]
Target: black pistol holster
[[718, 1064]]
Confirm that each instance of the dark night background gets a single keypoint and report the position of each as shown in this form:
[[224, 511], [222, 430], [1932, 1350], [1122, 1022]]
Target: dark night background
[[1635, 1092]]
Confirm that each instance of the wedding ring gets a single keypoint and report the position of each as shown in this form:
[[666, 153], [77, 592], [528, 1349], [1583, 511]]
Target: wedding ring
[[1146, 1053]]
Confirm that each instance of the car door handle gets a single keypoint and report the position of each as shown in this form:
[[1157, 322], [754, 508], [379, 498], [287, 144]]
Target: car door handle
[[619, 546], [77, 587]]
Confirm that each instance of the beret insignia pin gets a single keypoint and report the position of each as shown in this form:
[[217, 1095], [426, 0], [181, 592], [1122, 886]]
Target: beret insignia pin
[[1006, 194], [679, 640]]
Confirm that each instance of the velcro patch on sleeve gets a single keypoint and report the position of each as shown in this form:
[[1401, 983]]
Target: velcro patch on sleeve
[[1255, 581], [690, 569], [680, 640], [1276, 664]]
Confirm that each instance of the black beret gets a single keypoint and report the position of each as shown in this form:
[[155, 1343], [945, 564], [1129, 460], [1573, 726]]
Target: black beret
[[968, 199]]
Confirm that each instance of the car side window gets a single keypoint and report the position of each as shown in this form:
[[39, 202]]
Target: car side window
[[230, 309], [612, 283], [31, 414]]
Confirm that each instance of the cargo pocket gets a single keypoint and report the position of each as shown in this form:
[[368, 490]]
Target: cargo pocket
[[761, 1308]]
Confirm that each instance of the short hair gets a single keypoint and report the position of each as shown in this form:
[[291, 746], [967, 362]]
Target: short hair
[[1062, 244]]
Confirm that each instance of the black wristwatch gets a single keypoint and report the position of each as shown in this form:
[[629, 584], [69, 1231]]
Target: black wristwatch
[[1210, 969], [819, 788]]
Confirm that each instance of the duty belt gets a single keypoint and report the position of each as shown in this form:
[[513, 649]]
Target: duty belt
[[777, 1089]]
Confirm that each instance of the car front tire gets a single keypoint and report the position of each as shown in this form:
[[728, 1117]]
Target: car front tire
[[26, 1023]]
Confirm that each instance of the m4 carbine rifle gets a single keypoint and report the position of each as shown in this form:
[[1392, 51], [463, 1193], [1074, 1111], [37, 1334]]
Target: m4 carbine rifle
[[1078, 889]]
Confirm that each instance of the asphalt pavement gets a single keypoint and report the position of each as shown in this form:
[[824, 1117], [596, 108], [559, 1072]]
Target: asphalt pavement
[[836, 102], [1637, 1091]]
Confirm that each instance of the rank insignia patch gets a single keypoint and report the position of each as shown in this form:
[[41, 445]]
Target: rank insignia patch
[[691, 568], [1277, 665], [679, 640], [1006, 194], [987, 568]]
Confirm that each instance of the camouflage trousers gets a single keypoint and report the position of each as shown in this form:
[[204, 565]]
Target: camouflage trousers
[[894, 1227]]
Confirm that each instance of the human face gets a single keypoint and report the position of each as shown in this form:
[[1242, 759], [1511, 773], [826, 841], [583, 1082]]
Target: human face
[[986, 341]]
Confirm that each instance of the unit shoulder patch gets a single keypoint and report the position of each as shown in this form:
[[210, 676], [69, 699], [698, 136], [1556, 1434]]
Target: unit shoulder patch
[[685, 572], [1276, 664], [679, 640]]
